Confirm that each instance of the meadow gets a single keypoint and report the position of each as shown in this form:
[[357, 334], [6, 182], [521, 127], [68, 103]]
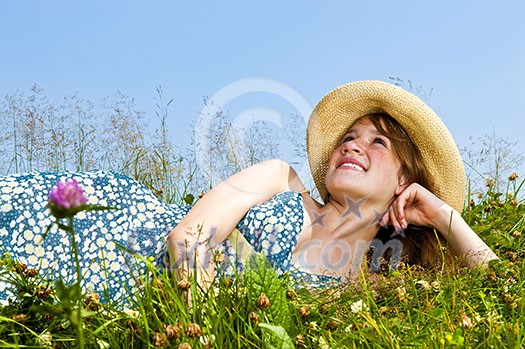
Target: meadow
[[453, 307]]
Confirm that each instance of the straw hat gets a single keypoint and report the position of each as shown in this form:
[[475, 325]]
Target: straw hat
[[341, 107]]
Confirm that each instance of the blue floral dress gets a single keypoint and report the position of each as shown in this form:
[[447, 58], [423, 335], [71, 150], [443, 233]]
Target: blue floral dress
[[140, 223]]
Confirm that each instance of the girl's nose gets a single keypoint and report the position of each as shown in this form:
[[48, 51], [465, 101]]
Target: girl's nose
[[353, 146]]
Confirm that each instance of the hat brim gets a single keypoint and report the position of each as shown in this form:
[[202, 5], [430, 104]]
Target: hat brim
[[343, 106]]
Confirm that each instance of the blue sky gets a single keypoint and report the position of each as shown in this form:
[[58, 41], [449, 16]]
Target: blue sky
[[470, 54]]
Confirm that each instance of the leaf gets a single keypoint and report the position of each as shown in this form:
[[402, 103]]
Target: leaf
[[261, 277], [188, 199], [277, 336]]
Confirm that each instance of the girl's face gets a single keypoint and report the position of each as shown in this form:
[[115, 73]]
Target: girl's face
[[364, 166]]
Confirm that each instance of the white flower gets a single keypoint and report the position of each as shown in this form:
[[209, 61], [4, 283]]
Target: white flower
[[358, 307], [111, 256]]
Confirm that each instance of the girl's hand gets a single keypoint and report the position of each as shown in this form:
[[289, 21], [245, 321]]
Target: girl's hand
[[416, 205]]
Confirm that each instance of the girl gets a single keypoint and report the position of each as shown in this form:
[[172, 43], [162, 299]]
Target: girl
[[384, 165]]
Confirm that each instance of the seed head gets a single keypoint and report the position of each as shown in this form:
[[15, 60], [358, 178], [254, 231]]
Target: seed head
[[514, 202], [92, 301], [185, 345], [160, 340], [20, 268], [32, 272], [263, 302], [331, 325], [511, 256], [43, 292], [254, 317], [290, 294], [172, 331], [21, 318], [489, 182], [156, 283], [324, 309], [184, 285], [513, 176], [304, 311], [299, 340], [194, 330]]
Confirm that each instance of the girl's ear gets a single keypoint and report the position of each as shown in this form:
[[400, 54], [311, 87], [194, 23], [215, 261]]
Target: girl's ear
[[402, 184]]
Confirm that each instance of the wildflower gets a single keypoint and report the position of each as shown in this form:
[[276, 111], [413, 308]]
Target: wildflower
[[160, 340], [424, 284], [511, 256], [324, 309], [32, 272], [194, 330], [254, 317], [183, 285], [331, 325], [172, 331], [226, 281], [45, 339], [513, 176], [313, 325], [465, 321], [207, 341], [20, 268], [92, 301], [263, 302], [66, 199], [358, 307], [514, 202], [218, 258], [185, 345], [492, 276], [489, 182], [131, 313], [401, 293], [43, 292], [516, 234], [156, 283], [323, 344], [299, 340], [304, 311], [21, 318], [290, 294]]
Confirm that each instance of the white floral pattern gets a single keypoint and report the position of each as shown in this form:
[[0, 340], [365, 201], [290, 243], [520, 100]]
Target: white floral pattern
[[24, 218], [140, 223]]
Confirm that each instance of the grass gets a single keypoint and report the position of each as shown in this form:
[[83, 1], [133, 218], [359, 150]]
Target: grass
[[408, 307]]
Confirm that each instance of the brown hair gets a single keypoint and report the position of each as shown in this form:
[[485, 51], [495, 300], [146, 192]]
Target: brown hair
[[420, 245]]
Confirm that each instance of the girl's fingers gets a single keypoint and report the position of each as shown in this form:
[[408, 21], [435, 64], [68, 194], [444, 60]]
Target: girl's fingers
[[393, 220]]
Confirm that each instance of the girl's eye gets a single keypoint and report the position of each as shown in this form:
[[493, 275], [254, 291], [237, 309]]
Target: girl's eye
[[380, 140], [347, 139]]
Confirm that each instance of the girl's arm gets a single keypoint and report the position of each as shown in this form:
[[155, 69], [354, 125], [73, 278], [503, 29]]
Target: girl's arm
[[218, 212], [416, 205]]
